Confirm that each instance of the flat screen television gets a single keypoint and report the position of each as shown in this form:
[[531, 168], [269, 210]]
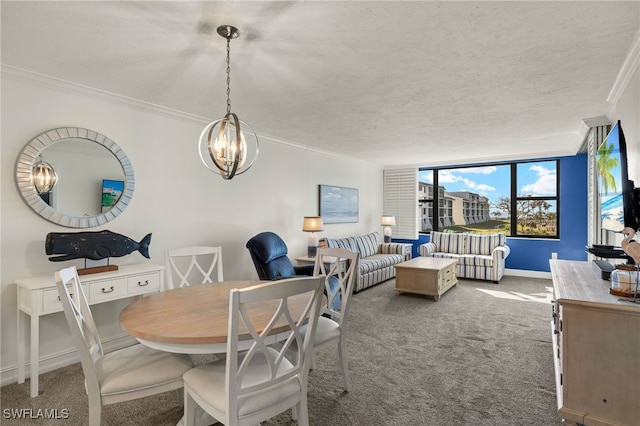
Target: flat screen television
[[111, 192], [619, 200]]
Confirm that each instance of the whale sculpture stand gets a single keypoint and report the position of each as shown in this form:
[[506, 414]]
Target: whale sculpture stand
[[96, 266], [97, 269], [93, 247]]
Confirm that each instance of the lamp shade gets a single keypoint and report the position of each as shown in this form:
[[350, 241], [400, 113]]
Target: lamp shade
[[388, 220], [312, 224]]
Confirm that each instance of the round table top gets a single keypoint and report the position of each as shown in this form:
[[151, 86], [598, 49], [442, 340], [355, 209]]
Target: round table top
[[195, 315]]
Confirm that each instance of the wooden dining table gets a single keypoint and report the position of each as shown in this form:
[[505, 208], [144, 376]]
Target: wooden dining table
[[194, 319]]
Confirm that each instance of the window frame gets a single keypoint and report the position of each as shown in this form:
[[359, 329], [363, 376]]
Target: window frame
[[514, 198]]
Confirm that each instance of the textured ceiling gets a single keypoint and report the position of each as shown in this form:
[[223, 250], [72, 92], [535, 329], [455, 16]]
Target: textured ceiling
[[394, 83]]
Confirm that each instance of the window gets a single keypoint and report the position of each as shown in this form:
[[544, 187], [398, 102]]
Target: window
[[482, 198]]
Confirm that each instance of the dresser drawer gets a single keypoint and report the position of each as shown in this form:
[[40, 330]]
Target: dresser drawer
[[103, 291], [146, 283], [51, 300]]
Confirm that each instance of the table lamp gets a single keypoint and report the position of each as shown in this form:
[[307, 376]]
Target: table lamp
[[387, 221], [312, 224]]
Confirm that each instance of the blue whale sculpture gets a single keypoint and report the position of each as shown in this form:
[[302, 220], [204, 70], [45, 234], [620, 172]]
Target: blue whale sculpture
[[93, 245]]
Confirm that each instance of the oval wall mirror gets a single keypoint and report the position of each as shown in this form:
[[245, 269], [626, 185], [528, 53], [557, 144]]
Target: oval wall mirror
[[95, 177]]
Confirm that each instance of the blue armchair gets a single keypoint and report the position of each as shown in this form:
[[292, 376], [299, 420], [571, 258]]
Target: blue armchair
[[269, 255]]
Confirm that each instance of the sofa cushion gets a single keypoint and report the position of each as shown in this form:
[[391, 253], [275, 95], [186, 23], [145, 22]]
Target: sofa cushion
[[379, 261], [483, 244], [442, 255], [447, 242], [475, 260], [344, 243], [368, 244]]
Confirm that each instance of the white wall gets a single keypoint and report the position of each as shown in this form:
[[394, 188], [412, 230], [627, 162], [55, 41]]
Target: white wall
[[627, 110], [175, 197]]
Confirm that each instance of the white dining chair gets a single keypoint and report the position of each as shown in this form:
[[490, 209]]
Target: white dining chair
[[338, 267], [259, 379], [122, 375], [193, 265]]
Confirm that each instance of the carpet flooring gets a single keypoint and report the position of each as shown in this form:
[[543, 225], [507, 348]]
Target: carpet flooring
[[481, 355]]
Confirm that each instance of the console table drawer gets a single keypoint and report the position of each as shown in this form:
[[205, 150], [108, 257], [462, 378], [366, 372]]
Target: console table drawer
[[51, 302], [140, 284], [103, 291]]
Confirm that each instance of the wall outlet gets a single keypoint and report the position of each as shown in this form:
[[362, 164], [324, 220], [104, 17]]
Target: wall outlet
[[554, 255]]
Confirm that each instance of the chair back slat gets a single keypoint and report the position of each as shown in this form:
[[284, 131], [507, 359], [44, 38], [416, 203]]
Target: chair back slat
[[193, 265], [82, 325], [337, 266], [260, 347]]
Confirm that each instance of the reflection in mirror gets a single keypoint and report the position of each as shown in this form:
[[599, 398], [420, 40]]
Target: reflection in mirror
[[95, 177], [44, 177], [81, 167]]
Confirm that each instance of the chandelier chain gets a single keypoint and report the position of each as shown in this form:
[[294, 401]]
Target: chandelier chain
[[228, 76]]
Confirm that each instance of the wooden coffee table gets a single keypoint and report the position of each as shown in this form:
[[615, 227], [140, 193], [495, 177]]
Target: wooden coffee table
[[430, 276]]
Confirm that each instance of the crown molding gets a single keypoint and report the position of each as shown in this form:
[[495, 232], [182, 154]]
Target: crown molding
[[479, 161], [629, 67], [66, 86]]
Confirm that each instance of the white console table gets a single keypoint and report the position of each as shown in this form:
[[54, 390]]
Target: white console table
[[596, 342], [38, 296]]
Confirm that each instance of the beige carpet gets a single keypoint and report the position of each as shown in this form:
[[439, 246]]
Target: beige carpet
[[479, 356]]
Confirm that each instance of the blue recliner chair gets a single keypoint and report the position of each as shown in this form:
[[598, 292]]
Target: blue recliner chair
[[269, 255]]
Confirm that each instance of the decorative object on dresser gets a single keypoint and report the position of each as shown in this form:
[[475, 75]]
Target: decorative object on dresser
[[625, 280], [630, 246], [479, 256], [312, 224], [387, 221], [429, 276], [228, 152], [38, 296], [376, 261], [94, 246]]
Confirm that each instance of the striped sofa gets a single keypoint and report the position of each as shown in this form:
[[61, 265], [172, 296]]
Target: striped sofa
[[376, 261], [480, 256]]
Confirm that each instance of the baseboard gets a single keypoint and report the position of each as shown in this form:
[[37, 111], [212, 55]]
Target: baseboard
[[527, 273], [63, 358]]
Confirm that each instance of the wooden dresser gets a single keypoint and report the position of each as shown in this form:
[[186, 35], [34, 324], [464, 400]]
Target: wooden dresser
[[596, 345], [38, 296]]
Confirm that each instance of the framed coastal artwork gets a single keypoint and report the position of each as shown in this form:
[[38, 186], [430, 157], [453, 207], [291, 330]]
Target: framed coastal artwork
[[338, 204]]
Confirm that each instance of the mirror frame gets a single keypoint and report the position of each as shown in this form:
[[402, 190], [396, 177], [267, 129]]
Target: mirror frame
[[37, 145]]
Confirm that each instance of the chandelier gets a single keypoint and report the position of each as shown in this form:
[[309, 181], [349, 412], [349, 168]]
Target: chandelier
[[223, 138], [43, 175]]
